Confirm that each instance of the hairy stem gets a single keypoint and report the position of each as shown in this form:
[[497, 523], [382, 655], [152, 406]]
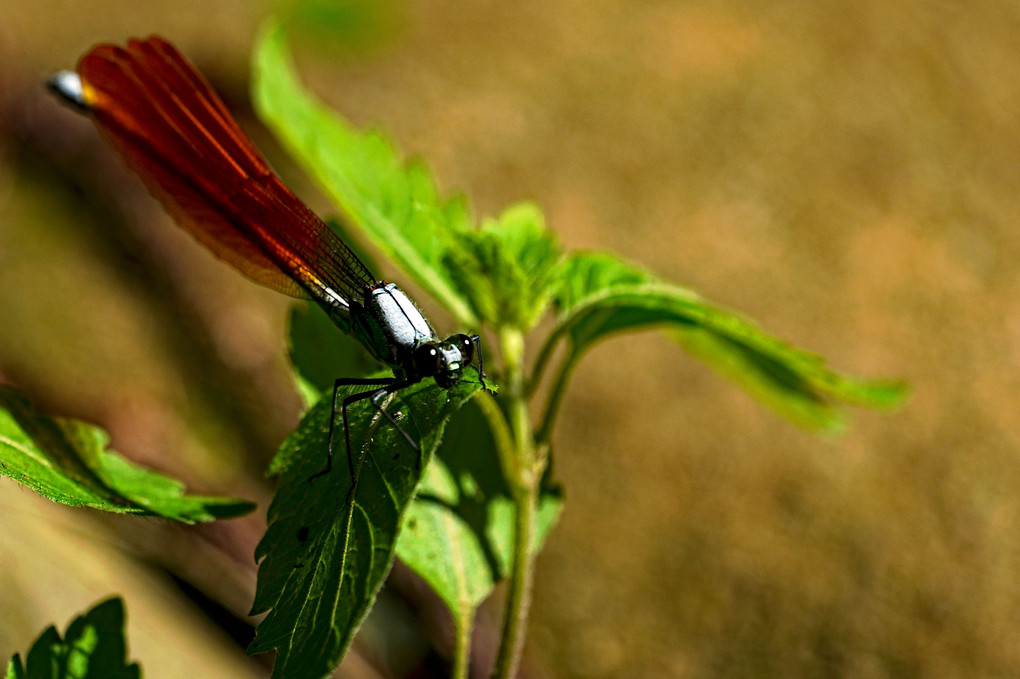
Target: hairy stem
[[518, 597]]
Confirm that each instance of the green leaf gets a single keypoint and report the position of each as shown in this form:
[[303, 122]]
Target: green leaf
[[508, 268], [15, 669], [68, 462], [342, 25], [320, 352], [601, 295], [328, 548], [586, 273], [92, 648], [458, 533], [396, 204]]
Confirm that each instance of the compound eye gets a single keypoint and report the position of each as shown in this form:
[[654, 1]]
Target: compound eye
[[427, 360], [467, 348]]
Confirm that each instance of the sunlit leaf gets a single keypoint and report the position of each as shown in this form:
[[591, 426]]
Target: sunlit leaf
[[507, 269], [396, 203], [330, 544], [67, 461], [601, 295], [459, 530]]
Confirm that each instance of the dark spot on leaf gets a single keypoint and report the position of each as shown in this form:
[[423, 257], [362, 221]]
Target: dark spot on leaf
[[412, 524], [302, 533], [397, 456], [299, 565]]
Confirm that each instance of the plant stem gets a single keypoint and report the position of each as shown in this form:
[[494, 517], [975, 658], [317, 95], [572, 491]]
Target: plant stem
[[524, 473], [544, 356], [518, 598], [552, 407], [461, 646], [500, 432]]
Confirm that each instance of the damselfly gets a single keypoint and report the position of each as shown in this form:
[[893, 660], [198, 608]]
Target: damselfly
[[174, 131]]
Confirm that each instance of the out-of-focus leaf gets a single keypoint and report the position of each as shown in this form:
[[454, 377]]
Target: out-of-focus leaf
[[343, 25], [92, 648], [601, 295], [68, 462]]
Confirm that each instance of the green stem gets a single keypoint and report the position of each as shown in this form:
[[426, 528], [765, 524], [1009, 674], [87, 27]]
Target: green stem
[[524, 474], [556, 394], [544, 355], [462, 646], [518, 597], [500, 432]]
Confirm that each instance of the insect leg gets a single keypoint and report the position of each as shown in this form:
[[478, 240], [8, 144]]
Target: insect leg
[[373, 396], [346, 382], [477, 341], [378, 394]]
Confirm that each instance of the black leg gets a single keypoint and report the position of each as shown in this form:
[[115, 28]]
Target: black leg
[[477, 341], [345, 382], [386, 385], [378, 394], [373, 397]]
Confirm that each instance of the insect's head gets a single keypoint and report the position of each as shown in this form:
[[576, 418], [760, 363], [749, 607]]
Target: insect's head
[[445, 361]]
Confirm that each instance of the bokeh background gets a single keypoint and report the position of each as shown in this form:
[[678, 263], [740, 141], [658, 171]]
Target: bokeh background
[[847, 173]]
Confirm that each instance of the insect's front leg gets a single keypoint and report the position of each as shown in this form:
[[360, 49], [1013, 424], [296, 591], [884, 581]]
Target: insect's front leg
[[476, 340]]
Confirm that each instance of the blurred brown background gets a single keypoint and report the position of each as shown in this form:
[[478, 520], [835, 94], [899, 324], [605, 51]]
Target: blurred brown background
[[847, 173]]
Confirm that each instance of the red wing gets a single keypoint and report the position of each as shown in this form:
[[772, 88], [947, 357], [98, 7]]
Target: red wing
[[176, 134]]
